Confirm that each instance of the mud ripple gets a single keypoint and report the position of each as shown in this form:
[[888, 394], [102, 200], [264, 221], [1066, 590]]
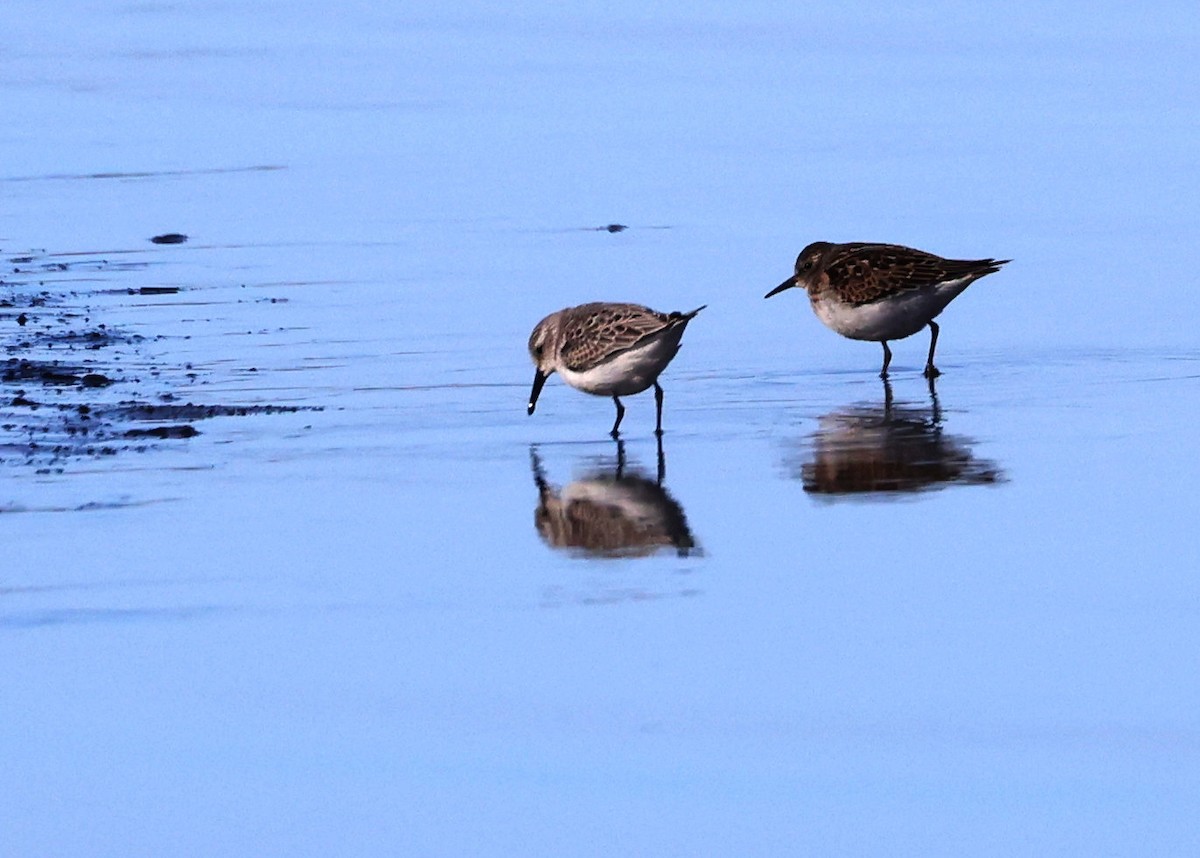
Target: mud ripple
[[66, 390]]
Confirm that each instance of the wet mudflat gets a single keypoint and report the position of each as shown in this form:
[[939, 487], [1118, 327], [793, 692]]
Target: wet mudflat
[[289, 570], [73, 388]]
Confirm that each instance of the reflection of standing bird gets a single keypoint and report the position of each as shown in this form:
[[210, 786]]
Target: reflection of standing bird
[[608, 350], [865, 450], [882, 292], [610, 515]]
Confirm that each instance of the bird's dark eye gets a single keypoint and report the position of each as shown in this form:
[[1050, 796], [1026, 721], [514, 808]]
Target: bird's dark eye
[[807, 264], [537, 350]]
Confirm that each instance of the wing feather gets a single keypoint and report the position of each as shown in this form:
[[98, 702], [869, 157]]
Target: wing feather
[[597, 333], [868, 272]]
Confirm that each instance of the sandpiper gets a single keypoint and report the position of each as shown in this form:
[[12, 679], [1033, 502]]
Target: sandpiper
[[608, 350], [882, 292]]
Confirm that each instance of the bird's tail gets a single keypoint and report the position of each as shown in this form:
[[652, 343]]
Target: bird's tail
[[686, 316]]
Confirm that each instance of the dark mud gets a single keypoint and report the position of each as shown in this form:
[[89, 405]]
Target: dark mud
[[76, 387]]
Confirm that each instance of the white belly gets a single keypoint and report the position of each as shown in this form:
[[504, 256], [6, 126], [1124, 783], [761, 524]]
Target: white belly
[[890, 319], [631, 371]]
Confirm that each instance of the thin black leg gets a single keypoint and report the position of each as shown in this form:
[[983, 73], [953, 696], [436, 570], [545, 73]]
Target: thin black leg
[[658, 398], [887, 399], [620, 414], [620, 459], [887, 359], [932, 371], [662, 462]]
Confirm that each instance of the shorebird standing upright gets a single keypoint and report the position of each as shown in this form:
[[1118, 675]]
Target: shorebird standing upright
[[882, 292]]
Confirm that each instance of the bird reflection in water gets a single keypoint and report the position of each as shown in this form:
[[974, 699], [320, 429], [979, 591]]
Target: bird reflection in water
[[611, 513], [890, 451]]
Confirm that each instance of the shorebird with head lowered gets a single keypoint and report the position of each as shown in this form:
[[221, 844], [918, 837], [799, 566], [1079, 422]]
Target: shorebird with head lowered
[[882, 292], [607, 349]]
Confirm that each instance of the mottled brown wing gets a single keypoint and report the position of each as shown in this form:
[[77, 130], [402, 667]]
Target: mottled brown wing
[[599, 332], [868, 272]]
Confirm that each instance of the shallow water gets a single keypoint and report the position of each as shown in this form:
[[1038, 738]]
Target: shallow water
[[373, 608]]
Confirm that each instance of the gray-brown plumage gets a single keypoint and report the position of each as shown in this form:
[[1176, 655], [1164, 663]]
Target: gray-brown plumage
[[607, 349], [881, 292]]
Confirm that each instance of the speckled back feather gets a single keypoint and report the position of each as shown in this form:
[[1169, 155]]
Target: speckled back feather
[[863, 272], [595, 333]]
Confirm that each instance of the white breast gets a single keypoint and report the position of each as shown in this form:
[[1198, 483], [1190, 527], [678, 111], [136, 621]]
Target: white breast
[[630, 372], [891, 318]]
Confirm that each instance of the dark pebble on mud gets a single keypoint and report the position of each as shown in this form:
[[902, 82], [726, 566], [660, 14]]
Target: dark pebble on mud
[[95, 379], [22, 319], [164, 432], [615, 227], [191, 411], [170, 238], [155, 290]]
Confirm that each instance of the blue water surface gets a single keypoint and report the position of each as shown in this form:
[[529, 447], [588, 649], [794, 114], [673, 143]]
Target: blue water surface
[[907, 622]]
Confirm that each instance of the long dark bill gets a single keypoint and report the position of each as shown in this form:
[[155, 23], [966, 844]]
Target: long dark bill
[[539, 378], [786, 284]]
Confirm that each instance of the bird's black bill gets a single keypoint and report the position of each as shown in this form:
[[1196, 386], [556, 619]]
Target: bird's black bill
[[786, 284], [539, 378]]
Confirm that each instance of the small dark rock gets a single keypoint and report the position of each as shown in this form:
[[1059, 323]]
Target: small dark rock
[[22, 319], [615, 227], [95, 379], [170, 238], [181, 431]]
